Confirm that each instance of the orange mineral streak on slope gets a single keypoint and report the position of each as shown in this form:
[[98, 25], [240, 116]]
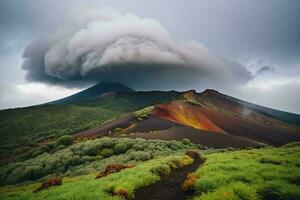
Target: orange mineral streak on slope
[[185, 114]]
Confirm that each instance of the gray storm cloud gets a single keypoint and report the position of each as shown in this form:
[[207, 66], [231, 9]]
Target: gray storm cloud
[[93, 45]]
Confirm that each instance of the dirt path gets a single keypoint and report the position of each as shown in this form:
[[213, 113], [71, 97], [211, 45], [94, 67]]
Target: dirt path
[[168, 188]]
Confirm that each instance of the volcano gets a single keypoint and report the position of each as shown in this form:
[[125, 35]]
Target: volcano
[[209, 118], [92, 93]]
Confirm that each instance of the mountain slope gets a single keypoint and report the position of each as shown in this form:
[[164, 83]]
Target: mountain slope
[[22, 129], [93, 92], [211, 113], [281, 115]]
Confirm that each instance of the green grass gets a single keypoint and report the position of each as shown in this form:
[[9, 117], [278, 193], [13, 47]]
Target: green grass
[[257, 174], [268, 174], [88, 188]]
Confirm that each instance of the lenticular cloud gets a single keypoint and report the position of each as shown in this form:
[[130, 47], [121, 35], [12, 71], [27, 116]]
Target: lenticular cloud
[[93, 45]]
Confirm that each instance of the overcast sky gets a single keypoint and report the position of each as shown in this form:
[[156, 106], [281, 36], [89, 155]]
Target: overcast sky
[[247, 49]]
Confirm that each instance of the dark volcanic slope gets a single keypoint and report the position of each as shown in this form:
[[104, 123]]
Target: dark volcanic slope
[[237, 119], [152, 124], [122, 122], [281, 115], [204, 138], [93, 92]]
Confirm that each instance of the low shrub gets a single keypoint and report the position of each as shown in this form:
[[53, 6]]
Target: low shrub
[[105, 152], [179, 162], [120, 148], [186, 141], [32, 173], [140, 155], [138, 147], [143, 113], [161, 170], [66, 140]]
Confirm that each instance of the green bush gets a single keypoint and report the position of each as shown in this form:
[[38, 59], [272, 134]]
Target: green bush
[[120, 148], [66, 140], [199, 146], [140, 155], [31, 173], [186, 141], [143, 113], [105, 152], [138, 147], [161, 170]]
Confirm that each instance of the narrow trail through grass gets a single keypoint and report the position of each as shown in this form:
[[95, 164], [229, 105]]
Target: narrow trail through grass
[[169, 187]]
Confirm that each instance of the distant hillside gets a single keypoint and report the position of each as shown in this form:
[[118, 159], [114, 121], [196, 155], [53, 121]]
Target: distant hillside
[[23, 128], [93, 92], [209, 118], [281, 115]]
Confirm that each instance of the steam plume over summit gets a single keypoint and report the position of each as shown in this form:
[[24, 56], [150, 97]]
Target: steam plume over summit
[[93, 45]]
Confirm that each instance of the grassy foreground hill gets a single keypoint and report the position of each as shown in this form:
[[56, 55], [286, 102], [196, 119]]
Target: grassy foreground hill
[[271, 173], [257, 174]]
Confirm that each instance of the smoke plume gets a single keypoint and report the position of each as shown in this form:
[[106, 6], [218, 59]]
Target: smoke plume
[[93, 45]]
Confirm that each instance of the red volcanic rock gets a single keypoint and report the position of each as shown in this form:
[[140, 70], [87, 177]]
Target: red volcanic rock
[[112, 168], [121, 192], [189, 183], [186, 114], [49, 183], [193, 154]]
